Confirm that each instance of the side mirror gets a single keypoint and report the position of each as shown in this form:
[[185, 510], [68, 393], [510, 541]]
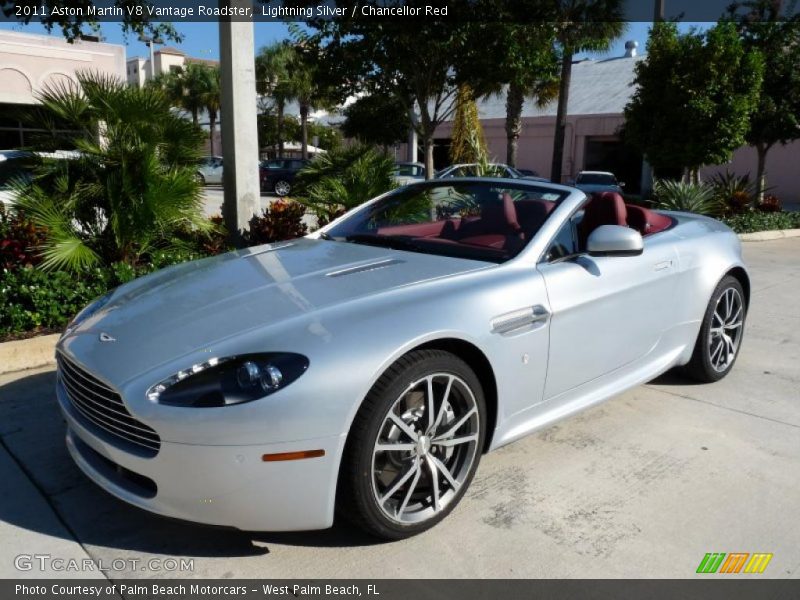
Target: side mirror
[[614, 240]]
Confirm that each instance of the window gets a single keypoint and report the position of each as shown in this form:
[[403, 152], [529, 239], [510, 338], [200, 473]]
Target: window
[[479, 221], [565, 243]]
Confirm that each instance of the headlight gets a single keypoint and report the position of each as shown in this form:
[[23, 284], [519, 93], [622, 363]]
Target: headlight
[[232, 380], [88, 311]]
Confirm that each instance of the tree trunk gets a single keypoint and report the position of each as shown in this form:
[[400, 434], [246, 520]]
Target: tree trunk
[[761, 172], [304, 130], [561, 117], [515, 98], [427, 143], [212, 129], [279, 124], [195, 118]]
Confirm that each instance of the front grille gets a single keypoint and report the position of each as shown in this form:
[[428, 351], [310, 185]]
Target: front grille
[[103, 406]]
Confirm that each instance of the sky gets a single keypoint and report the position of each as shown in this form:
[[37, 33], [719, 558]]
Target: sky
[[201, 40]]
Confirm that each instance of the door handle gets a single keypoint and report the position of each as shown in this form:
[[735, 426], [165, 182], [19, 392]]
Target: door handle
[[519, 319], [663, 265]]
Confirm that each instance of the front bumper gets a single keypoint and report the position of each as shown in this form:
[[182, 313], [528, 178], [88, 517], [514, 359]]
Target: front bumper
[[217, 485]]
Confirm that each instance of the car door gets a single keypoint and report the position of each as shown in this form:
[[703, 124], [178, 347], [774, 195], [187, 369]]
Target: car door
[[606, 312], [216, 171]]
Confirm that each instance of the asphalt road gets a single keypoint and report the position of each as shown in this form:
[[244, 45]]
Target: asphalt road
[[641, 486]]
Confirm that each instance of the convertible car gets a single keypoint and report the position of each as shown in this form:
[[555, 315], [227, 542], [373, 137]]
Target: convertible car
[[363, 370]]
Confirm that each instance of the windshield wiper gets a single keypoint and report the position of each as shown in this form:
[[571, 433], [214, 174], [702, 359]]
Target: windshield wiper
[[387, 241]]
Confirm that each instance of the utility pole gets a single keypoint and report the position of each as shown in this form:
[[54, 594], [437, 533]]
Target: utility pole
[[658, 14], [239, 121]]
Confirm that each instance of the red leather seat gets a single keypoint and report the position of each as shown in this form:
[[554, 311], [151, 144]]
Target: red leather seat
[[606, 208], [646, 221]]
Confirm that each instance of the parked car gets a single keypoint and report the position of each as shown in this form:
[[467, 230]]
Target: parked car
[[495, 170], [18, 165], [372, 363], [597, 181], [408, 172], [277, 175], [209, 170]]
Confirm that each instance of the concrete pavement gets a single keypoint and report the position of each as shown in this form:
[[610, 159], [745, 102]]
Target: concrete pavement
[[641, 486]]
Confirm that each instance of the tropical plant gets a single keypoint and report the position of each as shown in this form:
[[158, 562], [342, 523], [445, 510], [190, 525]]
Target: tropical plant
[[129, 187], [20, 239], [734, 192], [281, 220], [581, 26], [212, 102], [194, 88], [524, 66], [468, 143], [273, 80], [337, 181], [694, 98], [686, 197]]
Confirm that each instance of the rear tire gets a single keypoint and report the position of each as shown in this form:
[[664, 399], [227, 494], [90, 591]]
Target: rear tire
[[282, 188], [411, 454], [721, 333]]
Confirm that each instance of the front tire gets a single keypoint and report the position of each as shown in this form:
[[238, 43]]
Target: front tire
[[721, 333], [414, 446]]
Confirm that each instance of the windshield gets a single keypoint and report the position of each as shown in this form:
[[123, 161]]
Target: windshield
[[476, 220], [597, 179]]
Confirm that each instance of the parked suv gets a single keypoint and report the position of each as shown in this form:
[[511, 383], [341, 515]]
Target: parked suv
[[277, 175]]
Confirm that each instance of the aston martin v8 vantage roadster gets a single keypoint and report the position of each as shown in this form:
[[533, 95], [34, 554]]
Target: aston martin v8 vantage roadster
[[363, 370]]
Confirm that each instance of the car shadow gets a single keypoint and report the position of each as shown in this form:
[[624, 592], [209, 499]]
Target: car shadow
[[32, 433], [674, 377]]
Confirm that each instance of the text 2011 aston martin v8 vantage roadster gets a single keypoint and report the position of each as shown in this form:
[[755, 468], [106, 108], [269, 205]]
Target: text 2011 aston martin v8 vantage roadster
[[365, 369]]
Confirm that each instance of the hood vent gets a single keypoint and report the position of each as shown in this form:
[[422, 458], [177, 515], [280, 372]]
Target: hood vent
[[381, 264], [272, 248]]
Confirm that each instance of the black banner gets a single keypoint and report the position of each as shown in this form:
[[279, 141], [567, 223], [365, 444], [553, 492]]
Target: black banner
[[715, 587], [380, 10]]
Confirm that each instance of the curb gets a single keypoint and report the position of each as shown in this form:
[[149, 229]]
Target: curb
[[20, 355], [765, 236]]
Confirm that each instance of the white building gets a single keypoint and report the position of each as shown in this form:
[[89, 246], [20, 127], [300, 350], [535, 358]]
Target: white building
[[30, 63]]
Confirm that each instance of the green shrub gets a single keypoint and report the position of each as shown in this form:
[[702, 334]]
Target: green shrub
[[755, 220], [33, 300], [342, 179], [686, 197]]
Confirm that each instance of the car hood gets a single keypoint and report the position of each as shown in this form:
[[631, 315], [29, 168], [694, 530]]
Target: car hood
[[188, 307]]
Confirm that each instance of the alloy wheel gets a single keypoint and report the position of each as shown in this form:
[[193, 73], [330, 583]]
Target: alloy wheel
[[725, 333], [425, 448], [282, 188]]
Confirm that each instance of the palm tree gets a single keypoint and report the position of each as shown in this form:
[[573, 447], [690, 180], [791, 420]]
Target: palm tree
[[131, 186], [583, 26], [272, 78], [532, 73], [308, 87], [212, 101]]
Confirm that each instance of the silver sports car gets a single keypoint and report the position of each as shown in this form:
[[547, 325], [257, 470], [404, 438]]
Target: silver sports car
[[364, 369]]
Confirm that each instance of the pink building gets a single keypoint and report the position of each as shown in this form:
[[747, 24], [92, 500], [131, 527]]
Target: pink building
[[29, 63], [599, 91]]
